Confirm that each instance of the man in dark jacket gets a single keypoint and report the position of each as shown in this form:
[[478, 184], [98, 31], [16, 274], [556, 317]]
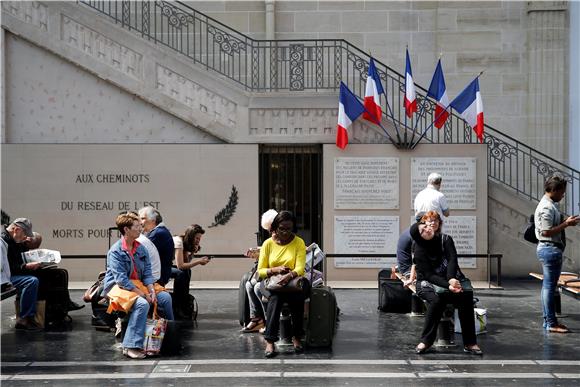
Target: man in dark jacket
[[155, 230]]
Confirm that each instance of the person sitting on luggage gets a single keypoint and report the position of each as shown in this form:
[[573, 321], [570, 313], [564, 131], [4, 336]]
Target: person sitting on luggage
[[404, 254], [283, 254], [436, 265], [130, 287], [186, 245], [253, 286], [53, 281]]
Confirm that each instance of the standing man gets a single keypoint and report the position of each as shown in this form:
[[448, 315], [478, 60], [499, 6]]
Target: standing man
[[552, 242], [431, 199], [155, 230], [12, 245]]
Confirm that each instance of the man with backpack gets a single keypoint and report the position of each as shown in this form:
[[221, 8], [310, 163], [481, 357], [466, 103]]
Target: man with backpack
[[549, 227]]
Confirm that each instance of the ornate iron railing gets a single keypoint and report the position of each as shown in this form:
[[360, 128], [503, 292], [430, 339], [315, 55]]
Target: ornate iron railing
[[320, 65]]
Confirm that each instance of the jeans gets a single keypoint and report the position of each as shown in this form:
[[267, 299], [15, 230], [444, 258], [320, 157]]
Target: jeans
[[135, 334], [436, 304], [27, 286], [255, 300], [551, 258]]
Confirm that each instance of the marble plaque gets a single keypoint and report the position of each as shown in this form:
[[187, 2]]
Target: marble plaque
[[365, 235], [459, 179], [463, 229], [370, 183]]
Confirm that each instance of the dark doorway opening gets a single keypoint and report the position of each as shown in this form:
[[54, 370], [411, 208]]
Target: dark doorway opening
[[291, 179]]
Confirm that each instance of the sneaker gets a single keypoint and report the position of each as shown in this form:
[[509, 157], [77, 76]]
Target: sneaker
[[74, 306], [558, 328]]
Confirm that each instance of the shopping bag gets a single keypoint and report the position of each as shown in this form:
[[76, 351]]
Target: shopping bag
[[155, 329], [480, 317]]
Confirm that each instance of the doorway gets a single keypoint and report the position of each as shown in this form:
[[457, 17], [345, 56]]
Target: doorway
[[291, 179]]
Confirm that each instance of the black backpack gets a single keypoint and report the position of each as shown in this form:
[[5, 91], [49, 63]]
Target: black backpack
[[530, 231]]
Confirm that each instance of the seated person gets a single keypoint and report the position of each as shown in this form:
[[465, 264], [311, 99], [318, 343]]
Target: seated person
[[50, 277], [436, 264], [253, 287], [186, 246], [12, 246], [130, 287], [284, 253], [404, 254]]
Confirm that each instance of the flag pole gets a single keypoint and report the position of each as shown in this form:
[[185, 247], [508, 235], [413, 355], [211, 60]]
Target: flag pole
[[406, 53], [436, 118], [422, 109], [372, 115]]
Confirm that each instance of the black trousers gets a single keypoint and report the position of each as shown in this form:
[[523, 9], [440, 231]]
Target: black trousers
[[436, 303], [295, 303], [180, 285]]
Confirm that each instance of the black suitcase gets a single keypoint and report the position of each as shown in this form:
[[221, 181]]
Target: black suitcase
[[322, 317], [171, 344], [393, 297], [243, 302]]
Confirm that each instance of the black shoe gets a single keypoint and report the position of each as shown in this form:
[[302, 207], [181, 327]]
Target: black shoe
[[270, 354], [74, 306], [298, 349], [473, 351]]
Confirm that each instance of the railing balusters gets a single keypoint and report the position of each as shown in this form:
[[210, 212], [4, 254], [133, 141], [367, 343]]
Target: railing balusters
[[320, 65]]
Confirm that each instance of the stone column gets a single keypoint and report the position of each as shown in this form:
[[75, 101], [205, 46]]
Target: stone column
[[548, 77], [574, 117], [270, 20]]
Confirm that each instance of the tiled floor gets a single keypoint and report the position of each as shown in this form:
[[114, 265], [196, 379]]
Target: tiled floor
[[370, 348]]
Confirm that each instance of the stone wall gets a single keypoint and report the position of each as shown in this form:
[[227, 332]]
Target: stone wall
[[520, 45]]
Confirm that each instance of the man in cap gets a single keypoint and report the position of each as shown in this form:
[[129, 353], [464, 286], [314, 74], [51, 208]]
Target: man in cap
[[13, 243]]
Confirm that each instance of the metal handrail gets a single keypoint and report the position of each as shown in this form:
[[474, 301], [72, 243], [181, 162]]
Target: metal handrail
[[318, 65]]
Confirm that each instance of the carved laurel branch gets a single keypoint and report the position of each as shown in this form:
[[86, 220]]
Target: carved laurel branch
[[226, 213]]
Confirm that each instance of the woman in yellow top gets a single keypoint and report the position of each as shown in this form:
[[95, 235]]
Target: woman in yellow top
[[284, 253]]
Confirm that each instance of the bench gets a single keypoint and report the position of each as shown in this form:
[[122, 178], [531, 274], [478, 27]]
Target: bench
[[8, 291], [568, 283]]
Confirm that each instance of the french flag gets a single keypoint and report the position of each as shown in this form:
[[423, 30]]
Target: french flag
[[373, 91], [470, 106], [438, 92], [349, 109], [409, 102]]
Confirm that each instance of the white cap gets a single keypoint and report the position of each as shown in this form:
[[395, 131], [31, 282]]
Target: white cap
[[268, 218]]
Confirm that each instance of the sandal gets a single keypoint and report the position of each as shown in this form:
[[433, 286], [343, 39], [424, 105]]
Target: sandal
[[253, 326]]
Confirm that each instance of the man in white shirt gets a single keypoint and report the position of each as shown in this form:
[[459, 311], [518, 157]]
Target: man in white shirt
[[153, 256], [430, 198]]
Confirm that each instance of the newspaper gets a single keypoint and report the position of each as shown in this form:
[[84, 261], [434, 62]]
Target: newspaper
[[47, 258]]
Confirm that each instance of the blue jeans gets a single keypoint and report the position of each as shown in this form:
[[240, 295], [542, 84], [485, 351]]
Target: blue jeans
[[135, 334], [27, 286], [255, 300], [551, 258]]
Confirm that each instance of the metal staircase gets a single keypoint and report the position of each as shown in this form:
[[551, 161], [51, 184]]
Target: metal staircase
[[265, 66]]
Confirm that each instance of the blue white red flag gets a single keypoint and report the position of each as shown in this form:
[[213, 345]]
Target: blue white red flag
[[470, 106], [349, 109], [409, 102], [438, 92], [373, 91]]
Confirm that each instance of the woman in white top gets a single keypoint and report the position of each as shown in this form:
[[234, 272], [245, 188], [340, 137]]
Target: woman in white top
[[186, 246]]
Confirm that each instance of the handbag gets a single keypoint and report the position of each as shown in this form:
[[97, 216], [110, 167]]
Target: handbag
[[294, 285], [95, 289], [155, 329], [530, 231]]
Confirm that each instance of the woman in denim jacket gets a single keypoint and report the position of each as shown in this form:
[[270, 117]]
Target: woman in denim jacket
[[130, 286]]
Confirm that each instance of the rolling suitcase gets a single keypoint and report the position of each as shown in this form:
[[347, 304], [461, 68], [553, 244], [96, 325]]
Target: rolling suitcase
[[393, 297], [53, 288], [322, 317], [243, 302]]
